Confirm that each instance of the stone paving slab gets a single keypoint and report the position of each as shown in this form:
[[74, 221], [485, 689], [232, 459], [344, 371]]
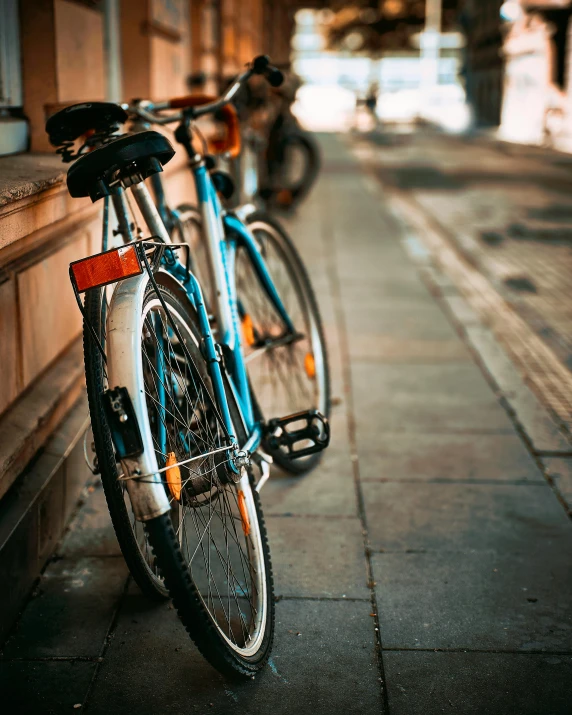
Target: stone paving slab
[[454, 517], [423, 398], [448, 457], [406, 287], [330, 667], [405, 319], [320, 557], [479, 683], [328, 491], [358, 265], [560, 471], [91, 533], [72, 612], [479, 600], [44, 687], [404, 332]]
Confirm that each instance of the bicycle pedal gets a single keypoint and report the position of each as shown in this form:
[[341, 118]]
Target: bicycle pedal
[[298, 435], [122, 423]]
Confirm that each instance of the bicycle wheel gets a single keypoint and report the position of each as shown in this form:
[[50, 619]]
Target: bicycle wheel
[[130, 533], [187, 228], [284, 378], [293, 167], [212, 547]]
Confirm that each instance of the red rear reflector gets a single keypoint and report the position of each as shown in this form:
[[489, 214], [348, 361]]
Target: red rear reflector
[[104, 268]]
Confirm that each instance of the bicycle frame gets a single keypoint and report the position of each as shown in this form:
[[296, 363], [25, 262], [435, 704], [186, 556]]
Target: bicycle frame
[[223, 234], [221, 253]]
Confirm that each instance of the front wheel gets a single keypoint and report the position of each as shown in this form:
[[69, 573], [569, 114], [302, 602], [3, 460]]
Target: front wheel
[[285, 377], [211, 548]]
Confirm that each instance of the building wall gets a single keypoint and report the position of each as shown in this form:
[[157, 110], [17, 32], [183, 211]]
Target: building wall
[[517, 69], [537, 83], [63, 61]]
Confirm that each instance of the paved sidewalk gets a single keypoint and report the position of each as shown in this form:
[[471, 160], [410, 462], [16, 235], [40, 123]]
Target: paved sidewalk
[[507, 210], [424, 567]]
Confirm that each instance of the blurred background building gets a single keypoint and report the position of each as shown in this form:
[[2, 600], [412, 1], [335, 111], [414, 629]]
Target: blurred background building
[[463, 65]]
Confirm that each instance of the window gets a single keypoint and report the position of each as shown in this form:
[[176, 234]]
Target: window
[[13, 127]]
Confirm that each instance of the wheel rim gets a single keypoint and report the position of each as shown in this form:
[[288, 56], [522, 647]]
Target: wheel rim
[[280, 377], [224, 560]]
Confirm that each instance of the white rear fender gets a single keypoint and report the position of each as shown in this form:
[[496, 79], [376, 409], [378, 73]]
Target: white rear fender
[[125, 369]]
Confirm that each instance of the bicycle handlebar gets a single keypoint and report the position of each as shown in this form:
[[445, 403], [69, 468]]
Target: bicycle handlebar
[[149, 111]]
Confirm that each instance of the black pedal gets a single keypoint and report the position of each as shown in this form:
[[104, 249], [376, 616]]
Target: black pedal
[[310, 430], [122, 423]]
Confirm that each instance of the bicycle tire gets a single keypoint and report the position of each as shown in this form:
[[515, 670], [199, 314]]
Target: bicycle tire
[[237, 639], [124, 524], [262, 225], [280, 192]]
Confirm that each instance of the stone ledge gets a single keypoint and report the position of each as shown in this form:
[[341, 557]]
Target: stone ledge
[[23, 175]]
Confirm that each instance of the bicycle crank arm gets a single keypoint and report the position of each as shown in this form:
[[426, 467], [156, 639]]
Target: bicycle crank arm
[[298, 435]]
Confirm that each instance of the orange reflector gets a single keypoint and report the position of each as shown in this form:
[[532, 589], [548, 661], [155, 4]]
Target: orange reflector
[[105, 268], [173, 477], [284, 197], [248, 330], [310, 365], [243, 513]]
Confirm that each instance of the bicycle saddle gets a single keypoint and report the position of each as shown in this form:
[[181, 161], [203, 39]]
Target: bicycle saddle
[[72, 122], [133, 155]]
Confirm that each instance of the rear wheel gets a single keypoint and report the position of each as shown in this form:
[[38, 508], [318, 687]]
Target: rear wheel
[[211, 548]]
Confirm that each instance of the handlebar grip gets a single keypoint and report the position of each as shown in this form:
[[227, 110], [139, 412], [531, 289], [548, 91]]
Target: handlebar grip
[[261, 65], [190, 100], [274, 76]]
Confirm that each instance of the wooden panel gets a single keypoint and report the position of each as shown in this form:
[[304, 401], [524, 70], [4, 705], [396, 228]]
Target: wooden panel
[[38, 66], [135, 50], [9, 384], [169, 14], [31, 420], [49, 315], [38, 215], [170, 58], [170, 67], [79, 52]]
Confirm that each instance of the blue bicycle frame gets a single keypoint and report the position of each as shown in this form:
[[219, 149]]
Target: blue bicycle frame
[[223, 235]]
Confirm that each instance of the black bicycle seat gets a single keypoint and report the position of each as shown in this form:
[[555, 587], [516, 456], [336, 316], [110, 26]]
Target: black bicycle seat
[[72, 122], [143, 153]]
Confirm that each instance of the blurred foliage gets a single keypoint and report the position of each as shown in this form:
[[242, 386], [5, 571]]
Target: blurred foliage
[[375, 26]]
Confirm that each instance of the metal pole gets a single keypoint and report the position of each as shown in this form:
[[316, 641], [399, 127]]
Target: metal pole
[[112, 32], [430, 46]]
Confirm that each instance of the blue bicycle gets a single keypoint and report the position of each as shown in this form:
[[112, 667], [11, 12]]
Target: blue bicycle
[[177, 427]]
